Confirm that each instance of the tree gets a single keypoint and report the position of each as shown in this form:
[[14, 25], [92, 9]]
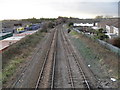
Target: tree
[[108, 16], [101, 35], [70, 24], [50, 24], [98, 17]]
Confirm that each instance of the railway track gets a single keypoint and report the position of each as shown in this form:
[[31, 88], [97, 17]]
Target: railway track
[[46, 76], [47, 80], [68, 48], [17, 82]]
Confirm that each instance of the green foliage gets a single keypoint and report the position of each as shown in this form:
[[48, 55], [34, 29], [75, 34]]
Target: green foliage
[[99, 17], [50, 25], [47, 25], [18, 48], [44, 28], [34, 20], [48, 19], [100, 58], [101, 35], [73, 33], [10, 68], [70, 24], [16, 54]]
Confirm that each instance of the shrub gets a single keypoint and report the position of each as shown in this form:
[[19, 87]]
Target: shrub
[[101, 35], [70, 24], [44, 28], [50, 24], [18, 48]]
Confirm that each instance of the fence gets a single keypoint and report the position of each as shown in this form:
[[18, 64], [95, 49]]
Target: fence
[[105, 44], [109, 46]]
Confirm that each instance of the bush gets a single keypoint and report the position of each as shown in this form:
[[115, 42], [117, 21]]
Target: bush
[[70, 24], [101, 35], [44, 28], [50, 25], [20, 47]]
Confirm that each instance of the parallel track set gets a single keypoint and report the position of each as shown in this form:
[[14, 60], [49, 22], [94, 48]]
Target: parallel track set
[[25, 69], [69, 49], [53, 48], [32, 60]]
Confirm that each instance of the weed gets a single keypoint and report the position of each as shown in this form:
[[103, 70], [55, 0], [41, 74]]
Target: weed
[[11, 67], [101, 59], [16, 54]]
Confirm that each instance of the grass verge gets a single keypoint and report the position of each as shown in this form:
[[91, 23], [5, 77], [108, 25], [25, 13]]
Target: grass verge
[[17, 53], [103, 62]]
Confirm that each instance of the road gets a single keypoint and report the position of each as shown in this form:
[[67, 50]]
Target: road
[[55, 64]]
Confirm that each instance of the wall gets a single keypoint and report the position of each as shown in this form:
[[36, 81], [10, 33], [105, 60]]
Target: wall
[[108, 29], [116, 31]]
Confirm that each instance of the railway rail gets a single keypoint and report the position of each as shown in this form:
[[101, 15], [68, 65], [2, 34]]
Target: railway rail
[[70, 51], [50, 56], [46, 77], [16, 83]]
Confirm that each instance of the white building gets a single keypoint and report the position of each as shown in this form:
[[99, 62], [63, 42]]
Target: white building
[[111, 27], [84, 24], [112, 31]]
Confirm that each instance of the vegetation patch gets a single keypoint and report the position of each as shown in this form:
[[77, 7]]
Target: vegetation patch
[[18, 52], [11, 68], [99, 58]]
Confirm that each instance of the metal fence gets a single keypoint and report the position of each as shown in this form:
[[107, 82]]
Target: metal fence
[[103, 43]]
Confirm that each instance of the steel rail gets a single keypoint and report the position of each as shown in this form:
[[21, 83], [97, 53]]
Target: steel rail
[[54, 62], [25, 68], [45, 61], [77, 62], [68, 65]]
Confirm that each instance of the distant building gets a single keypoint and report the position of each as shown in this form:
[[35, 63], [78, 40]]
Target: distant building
[[84, 24]]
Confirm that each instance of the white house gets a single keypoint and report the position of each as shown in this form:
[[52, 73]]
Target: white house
[[112, 31], [108, 29], [115, 30], [111, 27]]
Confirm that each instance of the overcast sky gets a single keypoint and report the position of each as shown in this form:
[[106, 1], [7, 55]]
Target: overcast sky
[[18, 9]]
